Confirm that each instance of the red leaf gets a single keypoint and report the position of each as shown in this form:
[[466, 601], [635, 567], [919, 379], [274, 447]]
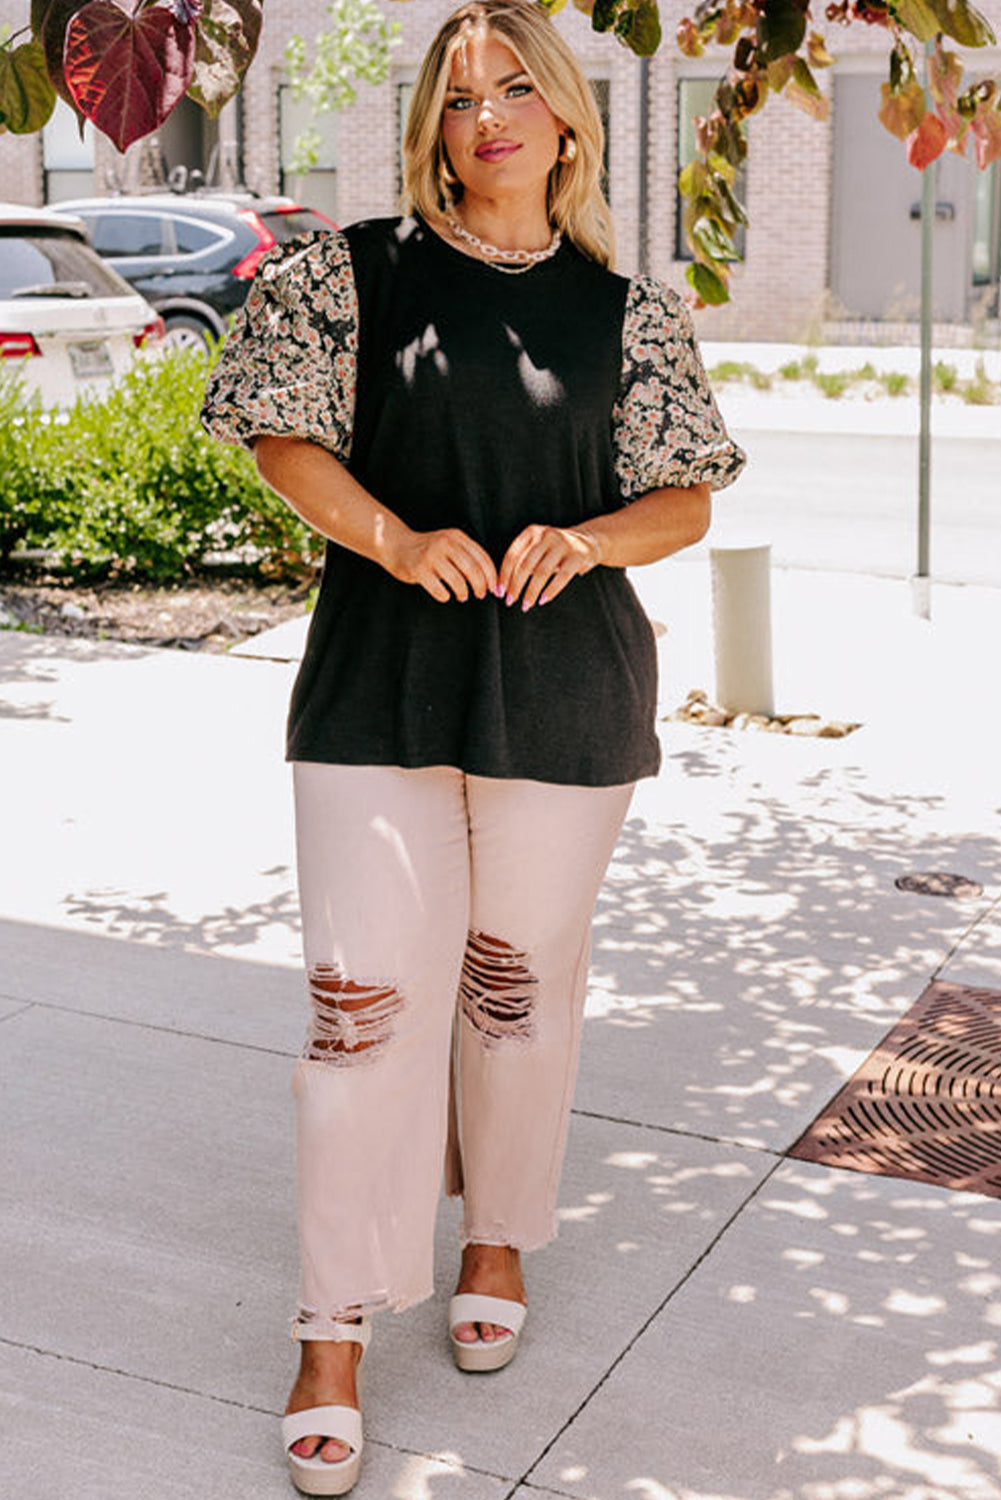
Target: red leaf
[[986, 130], [49, 19], [126, 73], [927, 142]]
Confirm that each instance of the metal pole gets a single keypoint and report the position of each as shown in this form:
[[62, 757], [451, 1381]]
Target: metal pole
[[922, 578], [643, 206]]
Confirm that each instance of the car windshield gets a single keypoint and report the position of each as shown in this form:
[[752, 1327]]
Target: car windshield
[[285, 226], [42, 262]]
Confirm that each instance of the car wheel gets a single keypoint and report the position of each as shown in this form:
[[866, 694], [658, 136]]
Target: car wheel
[[186, 333]]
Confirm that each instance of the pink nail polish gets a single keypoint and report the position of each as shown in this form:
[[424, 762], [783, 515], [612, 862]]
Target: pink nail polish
[[499, 590], [508, 598], [525, 606], [544, 599]]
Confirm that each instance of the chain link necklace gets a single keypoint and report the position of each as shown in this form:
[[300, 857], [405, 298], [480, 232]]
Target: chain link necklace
[[518, 260]]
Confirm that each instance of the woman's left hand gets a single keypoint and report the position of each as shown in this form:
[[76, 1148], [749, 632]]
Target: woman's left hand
[[542, 560]]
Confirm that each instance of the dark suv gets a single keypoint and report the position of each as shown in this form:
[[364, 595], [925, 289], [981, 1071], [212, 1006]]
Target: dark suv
[[192, 255]]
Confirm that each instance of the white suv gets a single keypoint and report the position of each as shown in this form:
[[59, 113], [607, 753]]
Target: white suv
[[68, 323]]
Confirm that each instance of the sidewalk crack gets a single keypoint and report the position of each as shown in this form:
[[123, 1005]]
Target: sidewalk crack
[[168, 1385], [989, 911], [197, 1036], [675, 1289], [22, 1005], [692, 1135], [264, 1411]]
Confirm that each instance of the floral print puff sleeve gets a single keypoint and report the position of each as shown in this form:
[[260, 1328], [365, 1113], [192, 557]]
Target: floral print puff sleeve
[[666, 425], [288, 365]]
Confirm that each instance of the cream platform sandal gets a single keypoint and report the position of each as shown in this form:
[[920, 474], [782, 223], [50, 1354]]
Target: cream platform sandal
[[315, 1476], [471, 1307]]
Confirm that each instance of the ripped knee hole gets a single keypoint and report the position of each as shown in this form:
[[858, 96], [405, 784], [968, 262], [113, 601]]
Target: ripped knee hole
[[497, 989], [349, 1019]]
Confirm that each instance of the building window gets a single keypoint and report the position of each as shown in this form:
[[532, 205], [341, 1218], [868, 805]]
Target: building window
[[67, 160], [316, 188], [695, 98], [600, 87]]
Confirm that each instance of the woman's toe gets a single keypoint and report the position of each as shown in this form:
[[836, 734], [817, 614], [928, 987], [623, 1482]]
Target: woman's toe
[[306, 1447], [334, 1450], [466, 1333]]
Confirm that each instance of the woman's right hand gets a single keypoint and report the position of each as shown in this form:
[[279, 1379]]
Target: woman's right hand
[[447, 563]]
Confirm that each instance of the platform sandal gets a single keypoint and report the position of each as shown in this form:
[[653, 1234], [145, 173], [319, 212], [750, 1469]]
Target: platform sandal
[[315, 1476], [472, 1307]]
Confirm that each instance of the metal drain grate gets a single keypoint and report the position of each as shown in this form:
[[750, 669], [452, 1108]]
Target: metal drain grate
[[940, 883], [926, 1104]]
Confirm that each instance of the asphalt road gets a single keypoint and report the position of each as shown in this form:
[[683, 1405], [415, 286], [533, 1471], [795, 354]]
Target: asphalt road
[[849, 501]]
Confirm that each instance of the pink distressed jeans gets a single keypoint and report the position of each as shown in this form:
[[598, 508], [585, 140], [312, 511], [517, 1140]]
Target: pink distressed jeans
[[446, 928]]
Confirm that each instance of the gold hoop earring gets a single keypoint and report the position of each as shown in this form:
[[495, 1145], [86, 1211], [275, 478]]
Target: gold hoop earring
[[569, 150]]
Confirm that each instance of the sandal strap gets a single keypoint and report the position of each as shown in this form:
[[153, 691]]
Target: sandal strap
[[340, 1422], [334, 1333], [472, 1307]]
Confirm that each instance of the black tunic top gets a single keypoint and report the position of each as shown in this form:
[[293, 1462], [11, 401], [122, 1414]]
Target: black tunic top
[[463, 396]]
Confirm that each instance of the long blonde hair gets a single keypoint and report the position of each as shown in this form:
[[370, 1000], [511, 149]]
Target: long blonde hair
[[576, 203]]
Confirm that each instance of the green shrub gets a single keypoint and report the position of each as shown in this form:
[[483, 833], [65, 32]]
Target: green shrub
[[131, 486], [893, 383], [979, 390], [728, 369], [832, 385], [792, 371], [738, 369], [944, 377]]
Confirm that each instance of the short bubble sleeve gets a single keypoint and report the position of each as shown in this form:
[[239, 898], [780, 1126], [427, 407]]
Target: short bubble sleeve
[[288, 367], [666, 426]]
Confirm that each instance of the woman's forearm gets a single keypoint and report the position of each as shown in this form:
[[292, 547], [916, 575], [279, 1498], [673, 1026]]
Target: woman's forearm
[[321, 491], [654, 526], [447, 563]]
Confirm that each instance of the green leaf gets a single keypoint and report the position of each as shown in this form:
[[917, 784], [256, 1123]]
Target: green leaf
[[779, 73], [732, 143], [693, 179], [963, 22], [552, 6], [918, 18], [225, 43], [603, 14], [27, 97], [721, 168], [734, 208], [710, 287], [802, 75], [713, 240], [902, 111], [781, 28], [645, 33], [805, 94]]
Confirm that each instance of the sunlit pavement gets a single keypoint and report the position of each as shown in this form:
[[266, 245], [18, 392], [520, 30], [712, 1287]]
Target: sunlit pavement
[[715, 1321]]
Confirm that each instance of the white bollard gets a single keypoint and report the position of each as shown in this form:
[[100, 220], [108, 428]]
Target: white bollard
[[742, 628]]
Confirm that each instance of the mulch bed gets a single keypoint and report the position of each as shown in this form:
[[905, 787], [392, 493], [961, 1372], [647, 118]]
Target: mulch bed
[[204, 616]]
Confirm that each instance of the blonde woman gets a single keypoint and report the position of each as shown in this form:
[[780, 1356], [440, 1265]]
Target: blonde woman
[[489, 426]]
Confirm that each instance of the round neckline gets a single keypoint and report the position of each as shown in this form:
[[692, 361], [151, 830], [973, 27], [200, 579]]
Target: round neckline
[[484, 265]]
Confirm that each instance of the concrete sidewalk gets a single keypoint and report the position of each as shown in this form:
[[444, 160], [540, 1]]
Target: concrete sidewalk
[[715, 1321]]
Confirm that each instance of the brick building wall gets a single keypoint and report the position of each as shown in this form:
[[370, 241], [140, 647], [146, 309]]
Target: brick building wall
[[780, 290], [20, 156]]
